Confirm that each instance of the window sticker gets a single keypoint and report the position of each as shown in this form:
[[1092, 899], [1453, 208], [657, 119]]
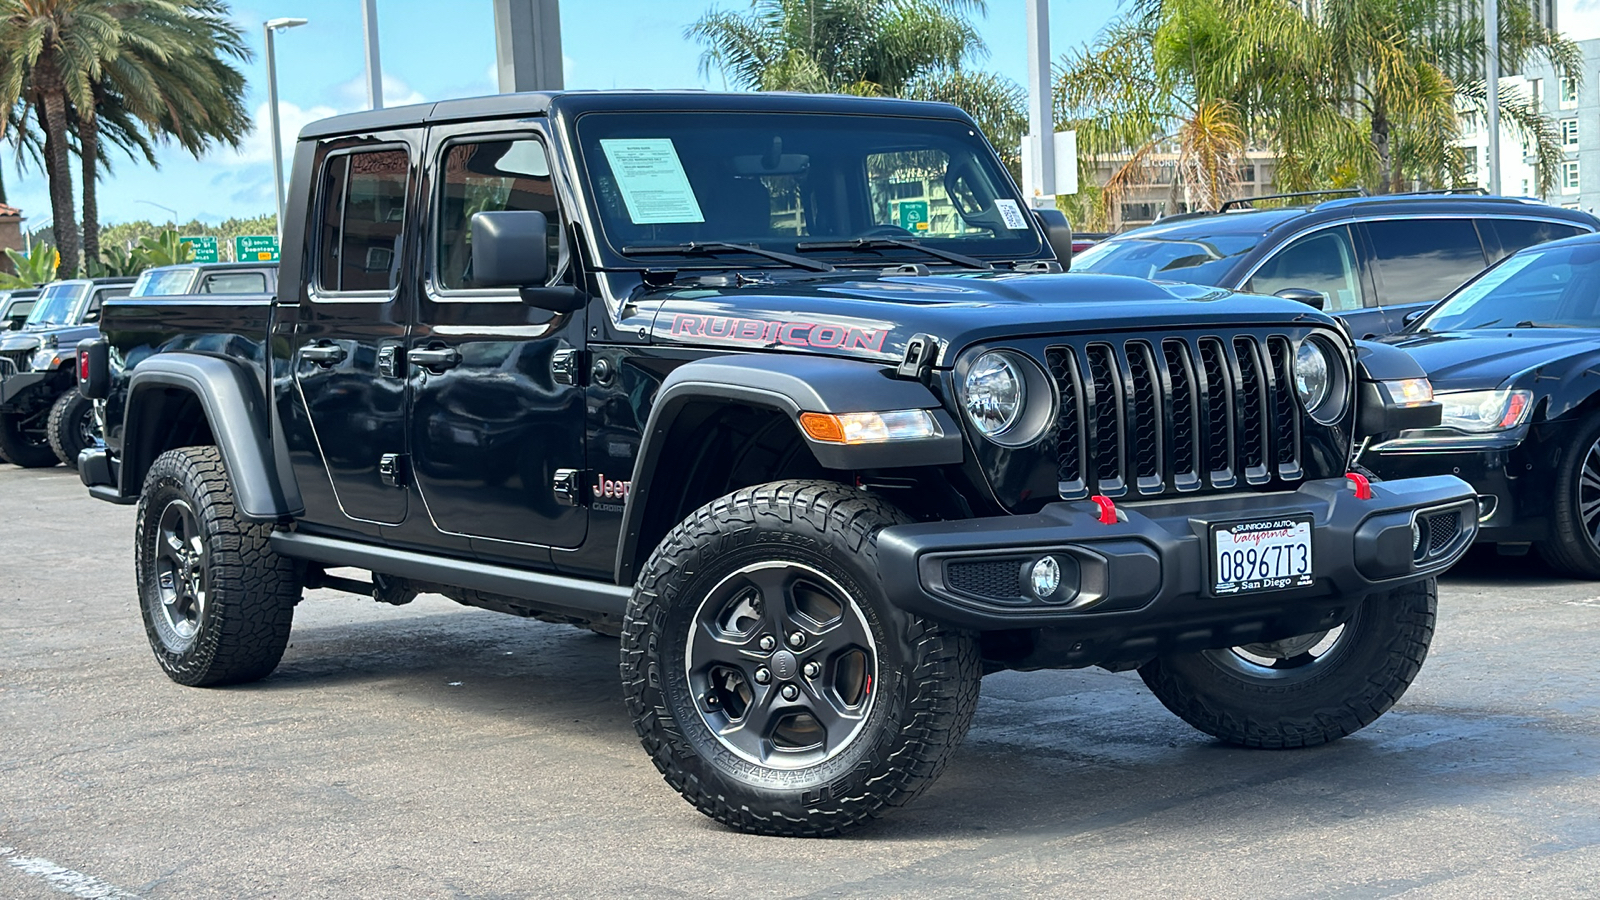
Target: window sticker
[[652, 181], [1012, 214]]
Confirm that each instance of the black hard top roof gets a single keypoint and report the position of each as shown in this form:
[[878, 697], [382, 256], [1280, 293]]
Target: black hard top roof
[[504, 106]]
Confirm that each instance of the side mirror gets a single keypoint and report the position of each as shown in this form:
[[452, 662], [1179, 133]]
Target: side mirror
[[1058, 231], [509, 249], [1313, 299]]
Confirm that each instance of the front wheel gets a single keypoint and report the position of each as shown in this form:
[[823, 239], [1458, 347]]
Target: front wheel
[[24, 440], [72, 429], [216, 600], [1306, 690], [1574, 548], [770, 680]]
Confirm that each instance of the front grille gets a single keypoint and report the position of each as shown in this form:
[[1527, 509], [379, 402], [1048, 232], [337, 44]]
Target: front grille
[[15, 361], [1442, 529], [1148, 417]]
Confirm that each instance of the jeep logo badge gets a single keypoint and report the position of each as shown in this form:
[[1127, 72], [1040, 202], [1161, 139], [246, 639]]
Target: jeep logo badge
[[784, 665]]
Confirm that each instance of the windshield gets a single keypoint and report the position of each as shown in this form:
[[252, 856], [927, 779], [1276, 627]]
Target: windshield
[[163, 282], [1194, 260], [56, 304], [1554, 286], [788, 182]]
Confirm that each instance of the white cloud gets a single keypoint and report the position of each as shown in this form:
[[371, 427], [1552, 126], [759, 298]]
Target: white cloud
[[257, 146], [352, 94], [1579, 19]]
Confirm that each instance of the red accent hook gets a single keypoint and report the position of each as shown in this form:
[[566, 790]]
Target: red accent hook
[[1362, 485], [1108, 509]]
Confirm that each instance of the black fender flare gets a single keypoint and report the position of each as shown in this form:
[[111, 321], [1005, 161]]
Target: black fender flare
[[239, 417], [791, 384]]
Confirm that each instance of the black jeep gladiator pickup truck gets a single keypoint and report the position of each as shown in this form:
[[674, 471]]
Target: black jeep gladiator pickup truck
[[785, 390]]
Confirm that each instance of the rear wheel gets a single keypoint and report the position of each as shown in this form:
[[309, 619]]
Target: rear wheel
[[71, 428], [770, 680], [1575, 546], [216, 600], [1305, 690], [24, 440]]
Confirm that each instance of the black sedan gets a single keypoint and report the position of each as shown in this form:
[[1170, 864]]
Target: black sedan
[[1514, 355]]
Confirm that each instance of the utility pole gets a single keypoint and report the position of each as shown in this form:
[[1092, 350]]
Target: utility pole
[[1041, 118], [1491, 40], [269, 28], [527, 45], [369, 24]]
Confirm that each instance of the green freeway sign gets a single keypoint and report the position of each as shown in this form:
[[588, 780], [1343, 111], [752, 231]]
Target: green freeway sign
[[255, 248], [205, 248], [914, 215]]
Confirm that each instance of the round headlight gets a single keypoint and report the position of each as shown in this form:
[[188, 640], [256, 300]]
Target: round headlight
[[994, 394], [1313, 375]]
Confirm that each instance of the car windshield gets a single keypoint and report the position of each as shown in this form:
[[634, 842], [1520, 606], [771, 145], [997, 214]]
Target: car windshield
[[164, 282], [801, 183], [1197, 260], [1555, 287], [55, 306]]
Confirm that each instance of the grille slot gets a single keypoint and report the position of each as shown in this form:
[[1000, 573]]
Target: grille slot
[[987, 579], [1179, 414], [1442, 529]]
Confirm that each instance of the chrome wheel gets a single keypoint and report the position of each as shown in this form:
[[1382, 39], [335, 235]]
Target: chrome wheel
[[182, 581], [781, 664]]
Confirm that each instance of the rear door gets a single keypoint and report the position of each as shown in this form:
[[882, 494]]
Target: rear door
[[345, 424], [1417, 261], [497, 405], [1503, 237]]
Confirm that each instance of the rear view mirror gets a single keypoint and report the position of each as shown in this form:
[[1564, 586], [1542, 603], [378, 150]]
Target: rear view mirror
[[1313, 299], [509, 249]]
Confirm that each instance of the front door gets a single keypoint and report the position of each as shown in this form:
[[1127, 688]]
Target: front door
[[497, 411], [347, 425]]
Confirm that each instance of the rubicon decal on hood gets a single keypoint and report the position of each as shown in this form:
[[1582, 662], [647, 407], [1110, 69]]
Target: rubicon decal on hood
[[790, 334]]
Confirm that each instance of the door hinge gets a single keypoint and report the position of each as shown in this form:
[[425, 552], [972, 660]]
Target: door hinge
[[392, 469], [389, 361], [565, 365], [566, 486]]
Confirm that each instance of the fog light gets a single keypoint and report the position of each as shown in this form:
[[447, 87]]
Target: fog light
[[1046, 577], [1416, 535]]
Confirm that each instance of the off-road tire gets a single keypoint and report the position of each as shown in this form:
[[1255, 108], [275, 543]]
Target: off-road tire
[[1363, 674], [928, 673], [1570, 549], [242, 628], [68, 417], [22, 448]]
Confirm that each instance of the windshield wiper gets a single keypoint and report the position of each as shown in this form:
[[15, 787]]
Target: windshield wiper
[[692, 247], [879, 243], [1529, 323]]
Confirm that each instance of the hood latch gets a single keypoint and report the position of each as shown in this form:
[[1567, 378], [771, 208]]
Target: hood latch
[[921, 351]]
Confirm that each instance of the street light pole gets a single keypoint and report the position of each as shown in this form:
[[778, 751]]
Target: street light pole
[[1491, 40], [369, 24], [1040, 113], [269, 28], [172, 213]]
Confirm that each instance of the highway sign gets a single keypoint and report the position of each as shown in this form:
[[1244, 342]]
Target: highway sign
[[255, 248], [205, 248]]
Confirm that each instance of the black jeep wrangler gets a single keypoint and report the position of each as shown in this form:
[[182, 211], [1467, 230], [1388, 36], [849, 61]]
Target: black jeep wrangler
[[43, 421], [782, 389]]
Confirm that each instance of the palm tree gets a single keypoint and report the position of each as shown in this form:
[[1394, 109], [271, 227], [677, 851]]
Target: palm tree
[[895, 48], [157, 62]]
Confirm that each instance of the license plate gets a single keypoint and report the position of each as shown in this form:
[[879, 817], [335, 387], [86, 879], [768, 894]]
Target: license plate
[[1264, 555]]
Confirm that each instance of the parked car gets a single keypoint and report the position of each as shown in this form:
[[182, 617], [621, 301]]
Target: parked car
[[208, 278], [1513, 356], [669, 364], [15, 306], [43, 420], [1369, 260]]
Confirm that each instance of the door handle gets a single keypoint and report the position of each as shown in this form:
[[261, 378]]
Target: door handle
[[434, 359], [324, 354]]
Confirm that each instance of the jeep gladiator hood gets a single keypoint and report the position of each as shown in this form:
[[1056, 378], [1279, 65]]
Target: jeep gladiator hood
[[874, 317]]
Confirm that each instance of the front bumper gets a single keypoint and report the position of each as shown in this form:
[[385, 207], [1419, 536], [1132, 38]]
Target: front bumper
[[1504, 513], [16, 384], [1143, 584]]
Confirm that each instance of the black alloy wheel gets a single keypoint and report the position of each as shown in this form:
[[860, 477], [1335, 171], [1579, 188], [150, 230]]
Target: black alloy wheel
[[1574, 545]]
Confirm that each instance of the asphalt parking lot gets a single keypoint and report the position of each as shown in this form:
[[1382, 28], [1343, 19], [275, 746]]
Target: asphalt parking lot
[[439, 751]]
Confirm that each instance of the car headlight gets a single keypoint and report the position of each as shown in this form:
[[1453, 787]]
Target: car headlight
[[1482, 412], [1319, 380], [996, 396]]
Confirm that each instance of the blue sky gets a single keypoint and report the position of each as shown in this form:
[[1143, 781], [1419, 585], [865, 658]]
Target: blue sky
[[430, 54]]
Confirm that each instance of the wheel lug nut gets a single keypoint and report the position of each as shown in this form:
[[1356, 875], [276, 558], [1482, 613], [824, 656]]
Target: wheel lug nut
[[798, 639], [768, 642], [763, 676], [790, 692], [813, 669]]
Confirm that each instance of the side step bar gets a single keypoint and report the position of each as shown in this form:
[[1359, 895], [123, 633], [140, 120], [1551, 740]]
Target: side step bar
[[554, 592]]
